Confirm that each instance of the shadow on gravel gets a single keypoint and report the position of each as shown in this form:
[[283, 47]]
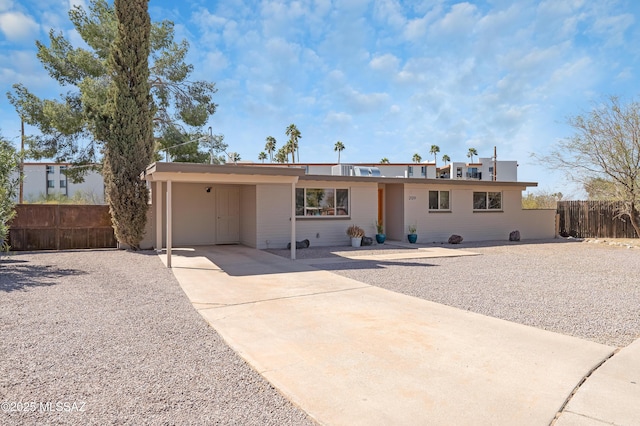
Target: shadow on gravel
[[365, 264], [20, 275]]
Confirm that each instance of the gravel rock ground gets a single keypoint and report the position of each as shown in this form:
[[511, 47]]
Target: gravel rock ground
[[587, 290], [108, 337]]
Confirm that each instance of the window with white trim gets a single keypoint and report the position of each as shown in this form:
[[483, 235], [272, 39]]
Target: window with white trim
[[439, 200], [51, 183], [487, 200], [63, 183], [322, 202]]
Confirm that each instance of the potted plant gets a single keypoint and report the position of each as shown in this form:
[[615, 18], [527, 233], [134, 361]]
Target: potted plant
[[412, 237], [380, 236], [356, 233]]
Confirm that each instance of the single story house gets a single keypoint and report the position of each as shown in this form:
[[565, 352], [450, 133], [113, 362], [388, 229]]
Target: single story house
[[269, 207]]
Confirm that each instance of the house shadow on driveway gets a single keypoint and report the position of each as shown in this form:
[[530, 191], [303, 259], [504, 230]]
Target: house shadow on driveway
[[240, 261]]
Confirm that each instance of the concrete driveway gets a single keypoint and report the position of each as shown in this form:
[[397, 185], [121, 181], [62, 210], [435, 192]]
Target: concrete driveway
[[352, 354]]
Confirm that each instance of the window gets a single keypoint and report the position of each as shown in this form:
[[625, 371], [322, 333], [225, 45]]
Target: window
[[487, 200], [472, 173], [410, 171], [423, 171], [458, 172], [322, 202], [50, 169], [51, 183], [439, 200], [63, 183]]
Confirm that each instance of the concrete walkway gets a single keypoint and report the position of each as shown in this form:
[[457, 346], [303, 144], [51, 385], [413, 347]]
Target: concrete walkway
[[352, 354]]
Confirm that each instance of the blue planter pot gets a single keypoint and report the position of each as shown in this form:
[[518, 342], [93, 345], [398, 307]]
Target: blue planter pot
[[380, 238], [412, 238]]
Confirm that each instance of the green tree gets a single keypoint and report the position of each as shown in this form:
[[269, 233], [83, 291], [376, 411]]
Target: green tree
[[9, 182], [294, 137], [416, 158], [127, 126], [471, 153], [435, 149], [605, 146], [215, 146], [68, 126], [234, 157], [601, 189], [262, 156], [384, 160], [446, 159], [175, 145], [541, 200], [270, 147], [338, 147]]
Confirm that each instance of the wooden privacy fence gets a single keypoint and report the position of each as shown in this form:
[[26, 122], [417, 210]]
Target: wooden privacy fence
[[61, 227], [593, 219]]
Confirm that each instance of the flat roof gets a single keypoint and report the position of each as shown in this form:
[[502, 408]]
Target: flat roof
[[229, 169], [162, 169], [418, 181]]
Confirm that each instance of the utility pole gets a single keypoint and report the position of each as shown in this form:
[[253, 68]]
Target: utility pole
[[20, 197], [495, 164]]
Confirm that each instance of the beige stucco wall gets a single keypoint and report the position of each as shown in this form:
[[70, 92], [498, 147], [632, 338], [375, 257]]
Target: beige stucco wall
[[363, 206], [248, 215], [436, 226], [274, 213], [193, 214], [273, 225]]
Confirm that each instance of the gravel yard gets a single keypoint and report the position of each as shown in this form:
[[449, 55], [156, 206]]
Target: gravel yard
[[108, 337], [591, 291]]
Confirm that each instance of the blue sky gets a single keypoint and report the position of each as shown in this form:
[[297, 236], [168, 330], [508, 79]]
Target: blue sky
[[387, 78]]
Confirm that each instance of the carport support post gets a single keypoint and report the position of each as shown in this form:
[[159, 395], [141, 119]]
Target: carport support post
[[168, 224], [158, 200], [293, 221]]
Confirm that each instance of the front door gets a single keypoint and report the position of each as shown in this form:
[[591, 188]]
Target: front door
[[227, 214]]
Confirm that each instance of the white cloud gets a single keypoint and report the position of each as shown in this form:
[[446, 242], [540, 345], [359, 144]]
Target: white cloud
[[215, 61], [365, 102], [389, 12], [6, 5], [16, 26], [572, 72], [386, 63], [612, 28], [337, 119], [461, 19]]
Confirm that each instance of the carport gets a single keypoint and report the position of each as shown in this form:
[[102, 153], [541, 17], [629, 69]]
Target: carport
[[224, 181]]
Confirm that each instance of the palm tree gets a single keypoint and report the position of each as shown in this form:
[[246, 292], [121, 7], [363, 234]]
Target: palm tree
[[234, 156], [294, 134], [338, 147], [262, 156], [384, 160], [289, 148], [471, 153], [270, 146], [281, 156], [435, 149], [416, 158], [446, 159]]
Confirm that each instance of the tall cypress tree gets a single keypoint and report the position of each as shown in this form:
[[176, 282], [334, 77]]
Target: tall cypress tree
[[129, 122]]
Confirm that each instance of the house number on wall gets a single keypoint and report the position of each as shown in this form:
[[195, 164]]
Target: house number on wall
[[412, 197]]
